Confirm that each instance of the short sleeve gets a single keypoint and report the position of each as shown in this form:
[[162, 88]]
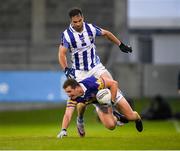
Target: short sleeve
[[71, 103], [101, 84], [98, 30]]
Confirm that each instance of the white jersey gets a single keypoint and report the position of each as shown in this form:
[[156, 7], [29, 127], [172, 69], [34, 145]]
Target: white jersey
[[82, 46]]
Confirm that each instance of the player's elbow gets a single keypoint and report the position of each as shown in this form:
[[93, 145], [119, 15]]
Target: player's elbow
[[105, 33], [115, 83], [62, 54]]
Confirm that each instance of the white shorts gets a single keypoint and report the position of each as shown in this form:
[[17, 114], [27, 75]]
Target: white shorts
[[119, 96], [97, 71]]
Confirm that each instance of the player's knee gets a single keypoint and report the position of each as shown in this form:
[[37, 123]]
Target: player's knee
[[81, 108], [110, 126]]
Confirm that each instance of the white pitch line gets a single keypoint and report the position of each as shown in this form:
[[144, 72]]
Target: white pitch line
[[176, 125]]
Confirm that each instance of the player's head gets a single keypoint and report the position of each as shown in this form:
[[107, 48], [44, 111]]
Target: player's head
[[76, 18], [75, 11], [71, 87]]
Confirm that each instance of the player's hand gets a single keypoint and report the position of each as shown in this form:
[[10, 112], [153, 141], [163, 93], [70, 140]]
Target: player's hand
[[70, 72], [62, 133], [125, 48]]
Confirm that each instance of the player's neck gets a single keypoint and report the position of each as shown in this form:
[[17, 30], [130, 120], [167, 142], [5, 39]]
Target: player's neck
[[79, 30]]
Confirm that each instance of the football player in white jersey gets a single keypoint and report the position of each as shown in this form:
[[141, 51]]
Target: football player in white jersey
[[79, 39]]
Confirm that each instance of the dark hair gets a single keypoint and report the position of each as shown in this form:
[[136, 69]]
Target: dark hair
[[75, 11], [70, 82]]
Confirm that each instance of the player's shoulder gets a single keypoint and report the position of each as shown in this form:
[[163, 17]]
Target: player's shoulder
[[91, 25], [64, 33], [94, 28], [87, 23], [69, 28]]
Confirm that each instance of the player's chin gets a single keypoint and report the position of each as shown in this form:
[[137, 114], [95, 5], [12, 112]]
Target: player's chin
[[78, 28]]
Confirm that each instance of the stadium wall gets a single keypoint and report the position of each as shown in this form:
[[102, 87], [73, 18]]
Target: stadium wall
[[146, 80], [31, 86], [161, 79]]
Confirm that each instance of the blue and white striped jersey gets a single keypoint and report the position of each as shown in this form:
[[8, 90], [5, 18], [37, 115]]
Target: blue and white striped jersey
[[82, 46]]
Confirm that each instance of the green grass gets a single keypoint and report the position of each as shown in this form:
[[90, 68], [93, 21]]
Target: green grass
[[21, 130]]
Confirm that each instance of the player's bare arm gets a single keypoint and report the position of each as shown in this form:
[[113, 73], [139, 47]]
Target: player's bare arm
[[67, 117], [112, 85], [108, 35], [62, 56], [66, 121]]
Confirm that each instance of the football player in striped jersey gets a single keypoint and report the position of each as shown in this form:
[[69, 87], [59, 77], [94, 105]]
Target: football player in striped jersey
[[79, 40]]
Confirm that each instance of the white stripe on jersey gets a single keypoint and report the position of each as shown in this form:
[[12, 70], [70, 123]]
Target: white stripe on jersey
[[83, 55]]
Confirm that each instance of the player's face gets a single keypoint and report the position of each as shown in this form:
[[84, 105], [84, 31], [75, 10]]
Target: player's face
[[72, 93], [77, 22]]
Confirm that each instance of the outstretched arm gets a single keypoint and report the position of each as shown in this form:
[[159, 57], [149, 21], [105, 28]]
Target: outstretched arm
[[66, 121], [110, 36], [67, 117]]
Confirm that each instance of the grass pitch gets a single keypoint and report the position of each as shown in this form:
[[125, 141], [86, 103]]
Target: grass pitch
[[32, 130]]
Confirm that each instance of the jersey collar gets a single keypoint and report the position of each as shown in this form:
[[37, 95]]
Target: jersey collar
[[83, 87]]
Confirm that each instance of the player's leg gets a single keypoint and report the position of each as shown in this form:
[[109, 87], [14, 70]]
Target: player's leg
[[97, 71], [123, 106], [121, 118], [106, 116], [81, 107]]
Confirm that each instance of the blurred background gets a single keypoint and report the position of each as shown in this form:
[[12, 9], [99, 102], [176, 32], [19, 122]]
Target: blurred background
[[30, 75]]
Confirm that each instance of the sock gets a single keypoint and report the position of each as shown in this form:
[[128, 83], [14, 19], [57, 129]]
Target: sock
[[138, 116], [80, 119], [120, 117]]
